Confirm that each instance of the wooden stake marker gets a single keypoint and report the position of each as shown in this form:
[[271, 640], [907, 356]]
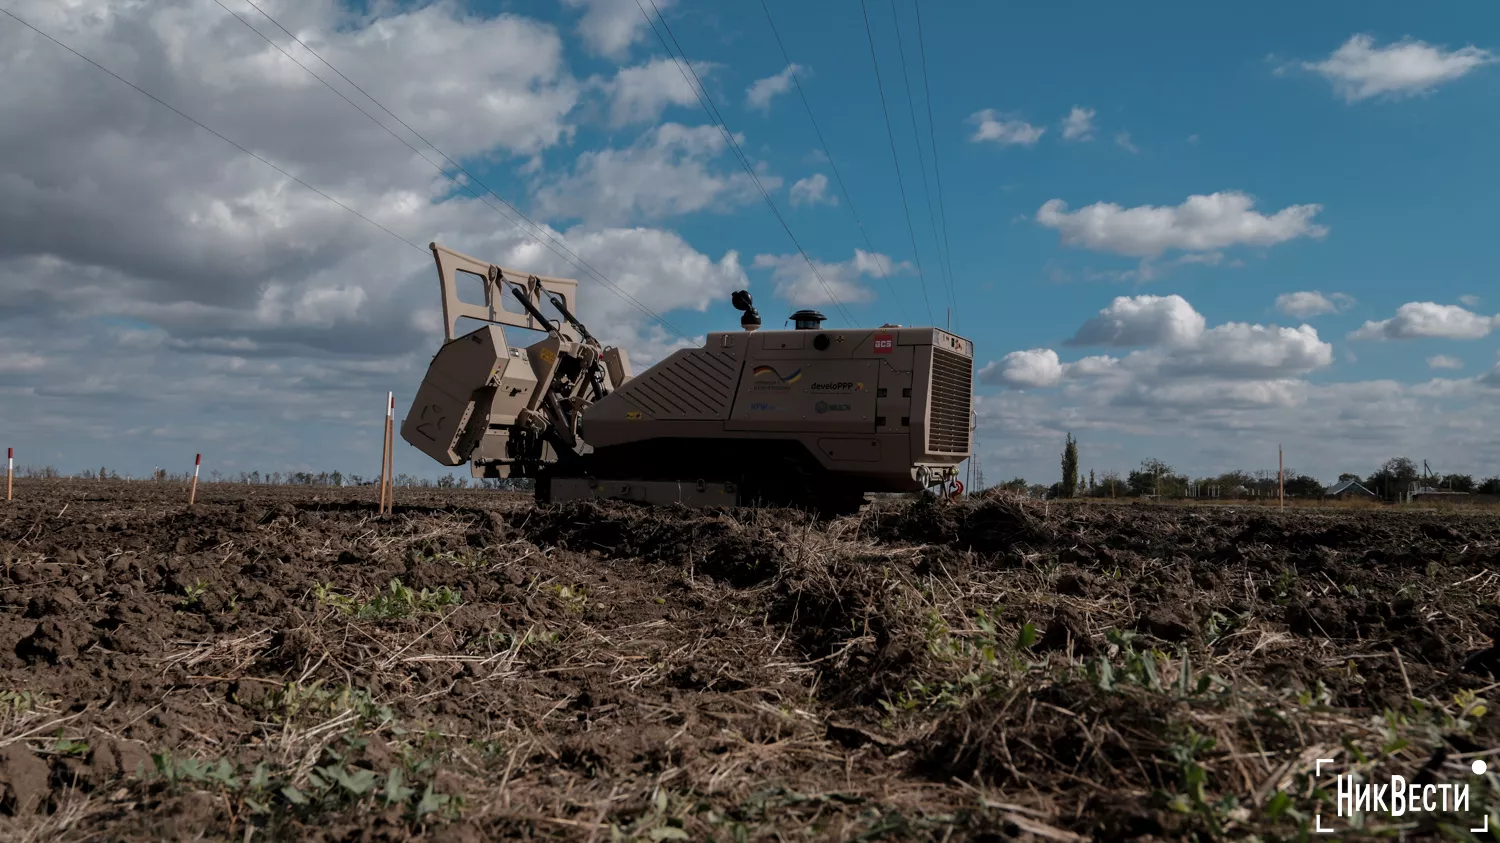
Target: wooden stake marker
[[385, 454], [390, 455], [10, 470], [193, 490]]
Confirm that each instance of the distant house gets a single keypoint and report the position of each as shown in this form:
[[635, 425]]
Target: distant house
[[1350, 488]]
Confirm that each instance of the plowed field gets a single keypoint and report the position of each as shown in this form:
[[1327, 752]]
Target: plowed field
[[281, 663]]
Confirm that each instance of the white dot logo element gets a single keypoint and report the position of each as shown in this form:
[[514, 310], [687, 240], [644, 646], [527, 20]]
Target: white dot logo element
[[1478, 766]]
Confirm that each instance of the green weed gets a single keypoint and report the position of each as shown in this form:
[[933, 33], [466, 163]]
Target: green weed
[[396, 602]]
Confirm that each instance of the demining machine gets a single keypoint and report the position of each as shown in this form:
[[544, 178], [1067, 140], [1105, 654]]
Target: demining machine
[[809, 417]]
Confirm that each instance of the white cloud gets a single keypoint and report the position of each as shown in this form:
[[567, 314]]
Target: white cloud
[[992, 127], [610, 27], [1199, 224], [797, 283], [1425, 319], [1092, 367], [12, 362], [1469, 301], [812, 190], [1122, 140], [261, 319], [1204, 425], [762, 91], [1079, 124], [1443, 361], [1180, 363], [1257, 352], [665, 173], [640, 94], [1304, 305], [1132, 321], [1359, 70], [1038, 367]]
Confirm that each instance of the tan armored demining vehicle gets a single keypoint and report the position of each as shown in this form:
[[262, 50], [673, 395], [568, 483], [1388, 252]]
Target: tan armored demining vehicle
[[812, 417]]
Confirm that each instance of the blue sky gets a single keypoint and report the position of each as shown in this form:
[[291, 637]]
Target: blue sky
[[1342, 150]]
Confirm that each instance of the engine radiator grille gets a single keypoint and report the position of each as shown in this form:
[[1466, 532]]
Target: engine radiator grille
[[952, 400]]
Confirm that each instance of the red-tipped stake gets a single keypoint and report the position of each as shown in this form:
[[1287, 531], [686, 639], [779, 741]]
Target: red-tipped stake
[[193, 490], [10, 470]]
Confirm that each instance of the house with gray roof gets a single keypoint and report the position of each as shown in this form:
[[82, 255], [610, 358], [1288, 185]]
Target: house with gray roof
[[1350, 488]]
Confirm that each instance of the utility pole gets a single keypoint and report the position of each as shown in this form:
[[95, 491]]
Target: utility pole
[[1280, 477]]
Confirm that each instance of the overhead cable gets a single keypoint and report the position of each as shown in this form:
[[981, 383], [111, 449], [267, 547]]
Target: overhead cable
[[921, 161], [849, 202], [932, 134], [705, 100], [900, 183]]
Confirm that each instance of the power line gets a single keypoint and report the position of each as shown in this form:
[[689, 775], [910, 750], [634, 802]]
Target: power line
[[899, 181], [705, 100], [911, 109], [849, 201], [932, 134], [184, 116], [570, 256]]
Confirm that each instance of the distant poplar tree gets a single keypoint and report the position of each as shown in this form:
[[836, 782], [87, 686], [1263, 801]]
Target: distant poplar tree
[[1070, 467]]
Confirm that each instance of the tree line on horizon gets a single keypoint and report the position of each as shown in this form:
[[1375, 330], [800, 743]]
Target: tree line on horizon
[[1155, 477], [280, 478]]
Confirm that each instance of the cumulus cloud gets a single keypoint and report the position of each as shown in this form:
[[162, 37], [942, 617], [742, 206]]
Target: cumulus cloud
[[1470, 301], [1360, 70], [760, 93], [992, 127], [812, 190], [12, 362], [1443, 361], [1079, 124], [641, 94], [666, 172], [1227, 398], [1425, 319], [1306, 304], [1205, 427], [1178, 362], [796, 282], [1199, 224], [1238, 350], [1132, 321], [1036, 367], [610, 27], [1122, 140], [145, 261]]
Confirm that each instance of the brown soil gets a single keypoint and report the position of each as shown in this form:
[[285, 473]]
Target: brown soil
[[280, 663]]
